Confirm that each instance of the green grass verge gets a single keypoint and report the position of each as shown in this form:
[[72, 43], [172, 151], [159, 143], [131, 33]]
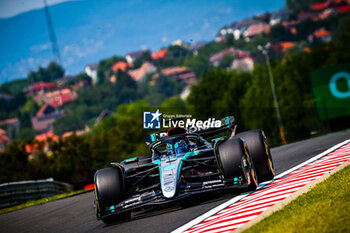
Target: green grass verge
[[42, 201], [326, 208]]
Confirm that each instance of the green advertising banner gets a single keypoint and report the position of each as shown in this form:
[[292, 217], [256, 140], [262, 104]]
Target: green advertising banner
[[331, 87]]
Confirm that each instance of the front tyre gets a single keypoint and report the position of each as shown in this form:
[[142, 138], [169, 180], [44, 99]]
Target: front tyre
[[260, 153], [235, 161], [109, 190]]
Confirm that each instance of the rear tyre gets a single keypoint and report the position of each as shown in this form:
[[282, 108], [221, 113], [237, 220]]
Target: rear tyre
[[252, 176], [260, 153], [109, 188]]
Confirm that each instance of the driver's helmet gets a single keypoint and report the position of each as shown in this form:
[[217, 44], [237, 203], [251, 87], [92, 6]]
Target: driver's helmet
[[180, 147], [169, 149]]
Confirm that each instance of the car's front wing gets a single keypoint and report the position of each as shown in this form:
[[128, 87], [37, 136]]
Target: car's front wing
[[154, 198]]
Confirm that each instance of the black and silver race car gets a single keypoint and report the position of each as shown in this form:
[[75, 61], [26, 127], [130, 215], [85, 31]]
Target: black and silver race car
[[183, 163]]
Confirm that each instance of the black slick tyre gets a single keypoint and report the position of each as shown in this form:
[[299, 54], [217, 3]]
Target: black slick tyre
[[260, 153], [230, 158], [109, 188]]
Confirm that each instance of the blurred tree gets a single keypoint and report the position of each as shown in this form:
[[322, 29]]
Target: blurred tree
[[25, 134], [132, 110], [54, 71], [175, 103], [104, 68], [343, 27], [279, 33], [299, 5], [146, 56], [226, 61], [167, 86], [175, 56], [13, 163], [205, 95]]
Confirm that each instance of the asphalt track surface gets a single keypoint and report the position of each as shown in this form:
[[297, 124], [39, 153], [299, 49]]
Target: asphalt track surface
[[77, 214]]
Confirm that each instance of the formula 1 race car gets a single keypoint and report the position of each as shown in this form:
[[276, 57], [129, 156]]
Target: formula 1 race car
[[183, 163]]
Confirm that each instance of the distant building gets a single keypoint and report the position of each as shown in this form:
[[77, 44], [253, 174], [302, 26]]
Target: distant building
[[45, 117], [321, 35], [237, 53], [160, 54], [44, 138], [196, 46], [40, 86], [131, 57], [236, 29], [56, 98], [256, 29], [12, 126], [181, 73], [340, 6], [303, 15], [320, 5], [91, 71], [181, 43], [121, 65], [140, 73], [64, 80], [186, 92], [244, 64], [285, 45], [326, 13], [4, 140], [279, 17]]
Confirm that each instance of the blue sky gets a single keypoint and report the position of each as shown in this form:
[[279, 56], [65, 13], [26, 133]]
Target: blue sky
[[10, 8], [90, 30]]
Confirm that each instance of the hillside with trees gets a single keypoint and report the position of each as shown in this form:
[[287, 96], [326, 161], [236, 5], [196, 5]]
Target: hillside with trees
[[98, 119]]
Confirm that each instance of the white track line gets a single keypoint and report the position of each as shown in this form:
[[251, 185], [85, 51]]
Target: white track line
[[217, 209]]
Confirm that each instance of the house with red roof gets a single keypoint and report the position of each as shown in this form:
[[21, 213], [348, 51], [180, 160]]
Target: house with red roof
[[237, 53], [303, 15], [320, 5], [140, 73], [216, 58], [45, 117], [182, 73], [4, 140], [160, 54], [40, 86], [121, 65], [341, 6], [326, 13], [284, 46], [321, 35], [46, 137], [343, 9], [56, 98], [41, 141]]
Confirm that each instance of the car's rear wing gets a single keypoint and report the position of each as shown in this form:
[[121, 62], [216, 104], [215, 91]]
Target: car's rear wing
[[227, 123]]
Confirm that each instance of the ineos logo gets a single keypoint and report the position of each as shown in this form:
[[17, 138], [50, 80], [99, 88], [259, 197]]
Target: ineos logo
[[333, 85]]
